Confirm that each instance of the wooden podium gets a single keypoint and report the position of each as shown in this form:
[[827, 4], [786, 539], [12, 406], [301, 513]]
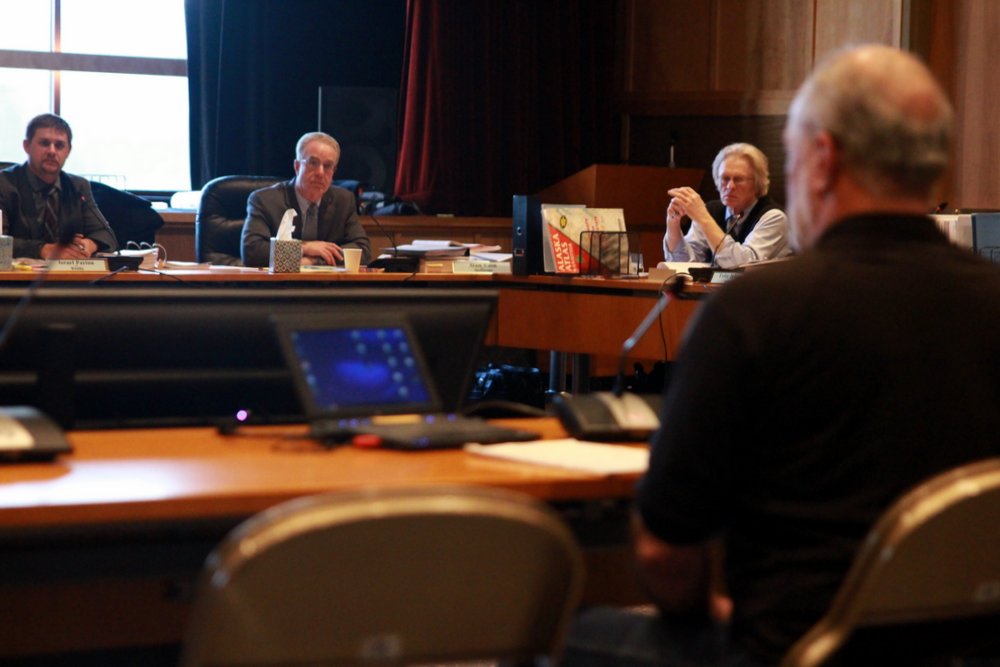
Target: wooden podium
[[639, 190]]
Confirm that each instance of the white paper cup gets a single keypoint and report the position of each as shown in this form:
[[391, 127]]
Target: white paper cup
[[352, 260]]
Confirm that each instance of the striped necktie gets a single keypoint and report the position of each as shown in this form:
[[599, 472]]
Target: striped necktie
[[310, 229], [732, 222], [50, 214]]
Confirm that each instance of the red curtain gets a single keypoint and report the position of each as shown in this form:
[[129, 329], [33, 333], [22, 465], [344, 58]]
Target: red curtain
[[503, 97]]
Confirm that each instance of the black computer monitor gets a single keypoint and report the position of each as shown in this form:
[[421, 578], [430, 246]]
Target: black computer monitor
[[106, 357]]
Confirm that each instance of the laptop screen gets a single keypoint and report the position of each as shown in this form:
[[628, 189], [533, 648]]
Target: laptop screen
[[356, 365]]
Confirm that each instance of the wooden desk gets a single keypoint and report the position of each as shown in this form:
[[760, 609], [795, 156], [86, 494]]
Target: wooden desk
[[178, 231], [100, 548], [575, 314]]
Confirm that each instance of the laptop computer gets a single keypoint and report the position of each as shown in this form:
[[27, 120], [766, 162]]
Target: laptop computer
[[365, 374]]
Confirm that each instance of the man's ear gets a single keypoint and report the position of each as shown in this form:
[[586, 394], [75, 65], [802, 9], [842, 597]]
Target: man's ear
[[826, 157], [25, 144]]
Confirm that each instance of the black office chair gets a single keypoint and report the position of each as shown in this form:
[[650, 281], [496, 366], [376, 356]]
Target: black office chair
[[218, 226], [930, 568], [392, 576], [131, 217]]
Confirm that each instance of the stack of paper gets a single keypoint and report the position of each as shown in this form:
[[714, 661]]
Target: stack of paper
[[572, 454], [436, 248], [485, 262]]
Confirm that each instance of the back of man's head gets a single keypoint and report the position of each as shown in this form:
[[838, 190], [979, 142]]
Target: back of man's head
[[889, 117], [48, 120]]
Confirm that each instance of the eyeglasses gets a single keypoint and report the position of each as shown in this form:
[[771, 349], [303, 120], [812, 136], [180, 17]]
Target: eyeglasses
[[735, 180], [315, 164]]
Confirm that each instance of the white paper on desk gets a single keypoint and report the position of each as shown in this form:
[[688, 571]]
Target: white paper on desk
[[493, 256], [682, 267], [286, 226], [596, 457]]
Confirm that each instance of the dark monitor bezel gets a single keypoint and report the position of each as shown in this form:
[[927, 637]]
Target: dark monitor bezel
[[142, 356], [361, 405]]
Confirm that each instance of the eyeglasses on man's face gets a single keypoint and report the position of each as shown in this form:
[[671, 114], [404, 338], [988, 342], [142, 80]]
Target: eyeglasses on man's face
[[315, 164], [735, 180]]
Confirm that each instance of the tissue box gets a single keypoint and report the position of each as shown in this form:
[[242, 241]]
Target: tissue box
[[286, 256], [6, 252]]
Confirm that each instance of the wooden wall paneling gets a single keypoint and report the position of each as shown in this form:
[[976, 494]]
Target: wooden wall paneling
[[668, 45], [785, 29], [930, 31], [699, 138], [763, 45], [977, 78], [843, 22]]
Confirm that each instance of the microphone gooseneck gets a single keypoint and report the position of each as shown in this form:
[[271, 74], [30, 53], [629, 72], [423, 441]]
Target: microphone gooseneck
[[391, 237], [733, 221], [652, 316]]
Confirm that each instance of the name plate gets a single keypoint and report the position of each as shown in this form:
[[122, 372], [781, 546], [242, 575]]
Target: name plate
[[78, 265]]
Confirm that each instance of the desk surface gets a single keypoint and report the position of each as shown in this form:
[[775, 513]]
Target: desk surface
[[129, 476], [101, 548]]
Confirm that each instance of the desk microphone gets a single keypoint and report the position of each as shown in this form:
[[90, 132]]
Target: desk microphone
[[618, 414], [396, 263], [391, 237], [66, 236], [47, 439]]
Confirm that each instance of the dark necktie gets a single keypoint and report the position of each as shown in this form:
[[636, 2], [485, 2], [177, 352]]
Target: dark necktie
[[50, 215], [732, 222], [309, 231]]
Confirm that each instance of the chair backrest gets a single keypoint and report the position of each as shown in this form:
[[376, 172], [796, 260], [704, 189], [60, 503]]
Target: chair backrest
[[131, 217], [388, 576], [933, 556], [218, 225]]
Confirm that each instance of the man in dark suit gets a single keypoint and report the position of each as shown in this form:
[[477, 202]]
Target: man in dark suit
[[51, 214], [326, 216]]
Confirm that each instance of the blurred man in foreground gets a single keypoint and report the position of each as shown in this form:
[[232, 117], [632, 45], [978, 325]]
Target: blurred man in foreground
[[811, 394]]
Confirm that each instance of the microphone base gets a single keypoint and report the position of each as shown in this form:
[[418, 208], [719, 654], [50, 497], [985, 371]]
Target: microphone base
[[605, 417]]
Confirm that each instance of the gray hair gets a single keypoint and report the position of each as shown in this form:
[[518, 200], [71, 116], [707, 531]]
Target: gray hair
[[309, 137], [753, 155], [886, 112]]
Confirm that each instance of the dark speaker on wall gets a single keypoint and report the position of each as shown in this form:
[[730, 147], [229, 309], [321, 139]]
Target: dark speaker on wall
[[363, 121]]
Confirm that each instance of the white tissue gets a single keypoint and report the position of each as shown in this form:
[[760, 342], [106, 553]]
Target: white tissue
[[286, 227]]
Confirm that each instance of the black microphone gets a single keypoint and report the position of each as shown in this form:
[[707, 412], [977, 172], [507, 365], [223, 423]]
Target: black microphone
[[396, 263], [733, 221], [67, 233], [391, 237], [617, 415], [676, 287]]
